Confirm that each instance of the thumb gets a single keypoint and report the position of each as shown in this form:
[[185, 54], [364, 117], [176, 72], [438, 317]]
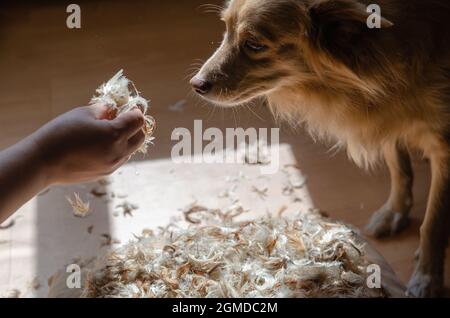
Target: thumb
[[129, 123]]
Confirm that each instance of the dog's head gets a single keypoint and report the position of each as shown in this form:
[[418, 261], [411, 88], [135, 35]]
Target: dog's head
[[271, 44]]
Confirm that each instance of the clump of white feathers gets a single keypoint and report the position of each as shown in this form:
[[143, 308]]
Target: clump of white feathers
[[121, 96], [307, 256]]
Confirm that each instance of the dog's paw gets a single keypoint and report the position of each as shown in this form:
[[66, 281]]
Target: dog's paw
[[386, 222], [424, 285]]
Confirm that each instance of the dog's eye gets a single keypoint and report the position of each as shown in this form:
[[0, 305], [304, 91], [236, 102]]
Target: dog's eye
[[255, 46]]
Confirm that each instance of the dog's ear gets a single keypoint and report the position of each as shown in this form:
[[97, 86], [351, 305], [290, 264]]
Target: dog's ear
[[337, 23]]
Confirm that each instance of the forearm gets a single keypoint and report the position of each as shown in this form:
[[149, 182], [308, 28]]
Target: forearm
[[22, 176], [76, 147]]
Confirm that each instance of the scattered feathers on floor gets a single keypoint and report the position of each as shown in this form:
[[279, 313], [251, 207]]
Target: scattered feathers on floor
[[13, 293], [216, 256], [80, 208]]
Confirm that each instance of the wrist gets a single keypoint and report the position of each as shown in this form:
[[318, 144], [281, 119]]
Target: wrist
[[42, 159]]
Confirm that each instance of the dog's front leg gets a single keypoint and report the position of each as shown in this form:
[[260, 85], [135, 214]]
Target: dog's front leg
[[427, 280], [393, 216]]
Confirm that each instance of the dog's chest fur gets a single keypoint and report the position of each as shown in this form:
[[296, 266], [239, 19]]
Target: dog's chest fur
[[360, 127]]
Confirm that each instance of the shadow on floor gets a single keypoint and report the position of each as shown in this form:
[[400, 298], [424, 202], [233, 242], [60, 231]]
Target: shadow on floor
[[61, 236]]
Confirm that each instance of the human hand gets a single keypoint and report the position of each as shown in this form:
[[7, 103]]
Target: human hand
[[84, 144]]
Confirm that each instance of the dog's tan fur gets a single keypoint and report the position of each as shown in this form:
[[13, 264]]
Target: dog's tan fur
[[375, 92]]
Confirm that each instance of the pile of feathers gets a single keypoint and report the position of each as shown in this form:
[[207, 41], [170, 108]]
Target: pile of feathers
[[216, 256]]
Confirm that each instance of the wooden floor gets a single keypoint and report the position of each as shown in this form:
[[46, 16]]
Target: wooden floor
[[48, 69]]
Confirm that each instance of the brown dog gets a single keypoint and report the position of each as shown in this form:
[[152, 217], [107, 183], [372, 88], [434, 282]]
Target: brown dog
[[375, 91]]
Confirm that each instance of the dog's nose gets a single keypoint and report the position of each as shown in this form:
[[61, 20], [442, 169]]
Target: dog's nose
[[200, 85]]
